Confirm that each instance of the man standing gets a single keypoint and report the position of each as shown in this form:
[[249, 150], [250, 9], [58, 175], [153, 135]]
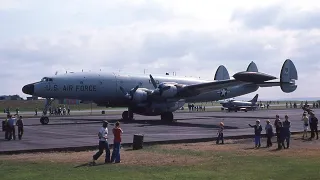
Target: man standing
[[276, 125], [103, 144], [313, 125], [257, 133], [269, 133], [286, 129], [117, 132], [12, 129], [20, 127]]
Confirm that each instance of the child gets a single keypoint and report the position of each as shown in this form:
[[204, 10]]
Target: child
[[305, 120], [220, 134], [257, 133]]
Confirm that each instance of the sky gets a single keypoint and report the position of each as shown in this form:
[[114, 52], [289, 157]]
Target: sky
[[189, 37]]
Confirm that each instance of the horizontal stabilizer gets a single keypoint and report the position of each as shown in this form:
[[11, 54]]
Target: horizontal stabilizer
[[221, 73], [288, 77], [252, 67]]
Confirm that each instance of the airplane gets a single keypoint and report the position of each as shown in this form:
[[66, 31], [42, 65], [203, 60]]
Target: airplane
[[153, 96], [234, 105]]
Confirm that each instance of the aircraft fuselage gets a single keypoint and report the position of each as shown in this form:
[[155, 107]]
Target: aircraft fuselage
[[104, 89]]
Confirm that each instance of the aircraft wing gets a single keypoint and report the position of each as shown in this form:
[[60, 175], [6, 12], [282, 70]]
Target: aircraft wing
[[196, 89]]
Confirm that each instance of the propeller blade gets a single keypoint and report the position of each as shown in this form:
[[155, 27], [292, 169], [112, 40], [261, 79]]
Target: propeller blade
[[153, 81], [121, 88], [135, 89]]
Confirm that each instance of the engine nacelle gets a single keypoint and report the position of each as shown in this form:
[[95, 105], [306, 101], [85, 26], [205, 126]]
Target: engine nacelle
[[171, 92], [139, 96]]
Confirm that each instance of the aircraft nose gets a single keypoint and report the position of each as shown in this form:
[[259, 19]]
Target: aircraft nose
[[28, 89]]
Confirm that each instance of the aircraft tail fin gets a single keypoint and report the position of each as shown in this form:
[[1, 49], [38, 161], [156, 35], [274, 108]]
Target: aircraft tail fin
[[221, 73], [255, 99], [252, 67], [288, 75]]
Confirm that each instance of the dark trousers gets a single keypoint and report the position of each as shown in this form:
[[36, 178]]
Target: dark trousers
[[220, 137], [314, 131], [116, 152], [11, 133], [6, 133], [269, 142], [103, 145], [20, 132]]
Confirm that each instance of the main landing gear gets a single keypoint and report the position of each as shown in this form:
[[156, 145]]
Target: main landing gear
[[167, 117], [127, 115], [44, 118]]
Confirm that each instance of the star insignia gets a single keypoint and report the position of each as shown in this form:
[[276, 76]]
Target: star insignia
[[223, 92]]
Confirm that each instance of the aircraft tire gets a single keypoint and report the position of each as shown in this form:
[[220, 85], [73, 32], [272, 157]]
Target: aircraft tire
[[125, 115], [44, 120], [167, 116]]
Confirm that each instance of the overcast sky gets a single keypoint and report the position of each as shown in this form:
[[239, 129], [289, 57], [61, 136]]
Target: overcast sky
[[190, 37]]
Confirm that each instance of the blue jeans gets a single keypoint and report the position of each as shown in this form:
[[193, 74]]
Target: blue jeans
[[116, 152], [257, 140], [103, 145]]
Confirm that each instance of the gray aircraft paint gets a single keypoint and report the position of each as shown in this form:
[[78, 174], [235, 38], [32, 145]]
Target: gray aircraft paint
[[107, 87], [104, 88]]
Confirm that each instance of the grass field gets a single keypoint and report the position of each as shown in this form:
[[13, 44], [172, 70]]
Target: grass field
[[234, 160]]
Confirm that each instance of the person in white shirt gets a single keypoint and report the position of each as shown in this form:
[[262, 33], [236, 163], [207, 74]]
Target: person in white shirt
[[103, 143]]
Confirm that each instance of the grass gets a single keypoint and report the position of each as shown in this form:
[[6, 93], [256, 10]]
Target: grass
[[213, 165]]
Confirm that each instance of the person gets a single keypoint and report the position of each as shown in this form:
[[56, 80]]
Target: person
[[257, 133], [313, 125], [11, 128], [103, 143], [269, 133], [305, 120], [5, 128], [117, 132], [281, 137], [20, 127], [286, 128], [276, 125], [220, 133]]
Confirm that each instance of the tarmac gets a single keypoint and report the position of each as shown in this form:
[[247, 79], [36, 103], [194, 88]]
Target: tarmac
[[80, 133]]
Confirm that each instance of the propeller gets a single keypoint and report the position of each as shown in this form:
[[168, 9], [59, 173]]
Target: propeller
[[129, 94], [158, 89]]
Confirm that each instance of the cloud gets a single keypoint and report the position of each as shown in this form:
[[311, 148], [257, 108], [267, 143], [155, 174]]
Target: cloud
[[155, 36], [279, 16]]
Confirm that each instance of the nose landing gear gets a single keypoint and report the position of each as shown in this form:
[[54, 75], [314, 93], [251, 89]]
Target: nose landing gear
[[44, 118]]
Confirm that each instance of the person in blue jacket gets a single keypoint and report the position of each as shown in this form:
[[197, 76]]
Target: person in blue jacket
[[257, 133]]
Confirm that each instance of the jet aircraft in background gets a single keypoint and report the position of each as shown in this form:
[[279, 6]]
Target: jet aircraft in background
[[233, 105], [152, 96]]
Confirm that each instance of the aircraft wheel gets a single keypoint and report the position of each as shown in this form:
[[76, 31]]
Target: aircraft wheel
[[167, 116], [44, 120], [130, 115], [125, 115]]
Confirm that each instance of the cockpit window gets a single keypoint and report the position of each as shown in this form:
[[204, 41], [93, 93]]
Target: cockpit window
[[46, 79]]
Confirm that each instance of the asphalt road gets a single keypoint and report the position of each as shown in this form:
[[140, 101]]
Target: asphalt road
[[82, 131]]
